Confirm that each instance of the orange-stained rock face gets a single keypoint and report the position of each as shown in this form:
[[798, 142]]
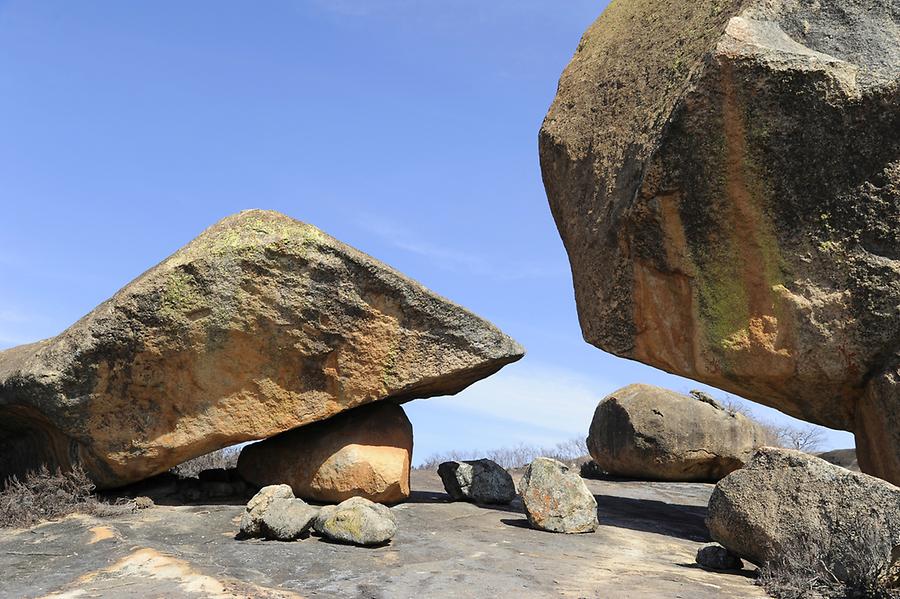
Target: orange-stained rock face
[[726, 179], [260, 325], [364, 452]]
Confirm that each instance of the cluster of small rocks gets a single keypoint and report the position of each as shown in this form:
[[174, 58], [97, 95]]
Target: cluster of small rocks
[[554, 496], [275, 514]]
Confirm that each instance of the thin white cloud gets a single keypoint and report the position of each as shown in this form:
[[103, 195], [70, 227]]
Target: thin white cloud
[[545, 397], [454, 259]]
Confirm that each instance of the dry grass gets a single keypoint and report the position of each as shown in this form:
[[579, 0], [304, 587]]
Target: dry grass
[[44, 495], [222, 458], [519, 456], [800, 572]]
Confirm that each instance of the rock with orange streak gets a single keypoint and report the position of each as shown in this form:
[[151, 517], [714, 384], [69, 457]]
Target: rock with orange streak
[[725, 177]]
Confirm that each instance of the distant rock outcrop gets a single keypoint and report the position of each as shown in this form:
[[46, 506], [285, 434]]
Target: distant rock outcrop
[[260, 325], [790, 505], [726, 179], [648, 432], [363, 452]]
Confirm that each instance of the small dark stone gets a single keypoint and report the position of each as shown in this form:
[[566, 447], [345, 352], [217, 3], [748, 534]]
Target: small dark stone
[[480, 481], [715, 557]]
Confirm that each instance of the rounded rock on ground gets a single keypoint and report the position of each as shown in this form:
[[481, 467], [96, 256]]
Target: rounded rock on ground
[[789, 505], [363, 452], [556, 498], [287, 519], [647, 432], [479, 481], [251, 519], [715, 557], [356, 521]]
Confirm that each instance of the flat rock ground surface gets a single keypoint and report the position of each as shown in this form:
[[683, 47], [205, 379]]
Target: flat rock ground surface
[[645, 547]]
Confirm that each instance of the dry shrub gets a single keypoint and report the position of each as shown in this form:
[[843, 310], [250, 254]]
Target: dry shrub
[[800, 572], [518, 456], [223, 458], [805, 437], [44, 495]]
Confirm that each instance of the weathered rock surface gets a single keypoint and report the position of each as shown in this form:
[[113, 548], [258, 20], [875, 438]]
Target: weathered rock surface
[[556, 499], [364, 452], [648, 432], [726, 179], [788, 503], [260, 325], [650, 532], [715, 557], [479, 481], [356, 521], [251, 519], [287, 519], [845, 458]]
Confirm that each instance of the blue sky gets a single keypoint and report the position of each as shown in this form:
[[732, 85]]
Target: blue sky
[[406, 128]]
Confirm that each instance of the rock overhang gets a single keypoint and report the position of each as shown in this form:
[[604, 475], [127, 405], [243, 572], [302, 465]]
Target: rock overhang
[[260, 325]]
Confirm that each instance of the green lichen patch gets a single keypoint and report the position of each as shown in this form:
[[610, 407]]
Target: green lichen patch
[[180, 296]]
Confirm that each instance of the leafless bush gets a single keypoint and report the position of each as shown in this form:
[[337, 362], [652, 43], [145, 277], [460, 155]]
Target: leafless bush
[[45, 495], [806, 438], [221, 458], [802, 572], [517, 456]]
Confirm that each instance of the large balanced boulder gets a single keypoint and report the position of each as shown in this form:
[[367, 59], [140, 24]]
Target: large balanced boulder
[[364, 452], [648, 432], [478, 481], [726, 179], [260, 325], [556, 499], [788, 507]]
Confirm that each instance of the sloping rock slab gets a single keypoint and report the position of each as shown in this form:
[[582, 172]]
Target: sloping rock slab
[[260, 325]]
